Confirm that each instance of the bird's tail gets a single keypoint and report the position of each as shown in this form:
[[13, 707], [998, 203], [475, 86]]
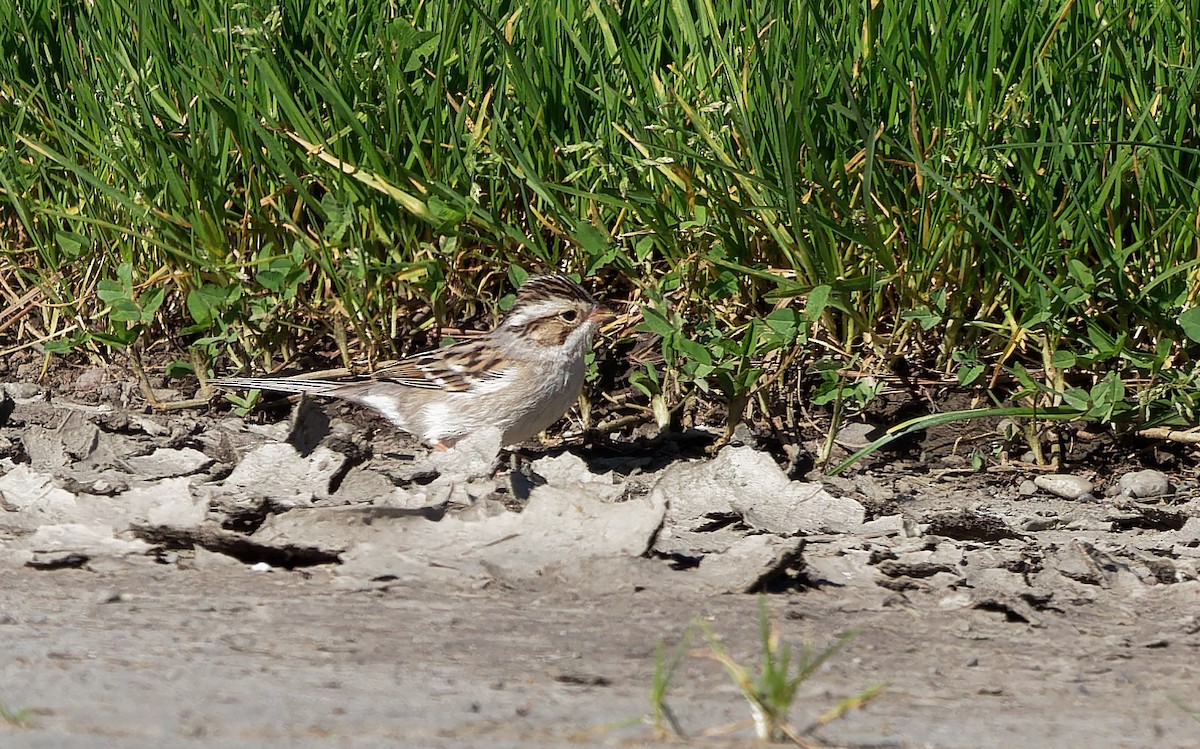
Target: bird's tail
[[277, 384]]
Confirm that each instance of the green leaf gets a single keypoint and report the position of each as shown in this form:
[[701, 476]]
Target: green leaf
[[206, 302], [517, 275], [1062, 359], [338, 218], [73, 244], [179, 368], [693, 350], [970, 372], [593, 241], [1190, 322], [1106, 345], [1108, 391], [1077, 398], [150, 302], [60, 345], [117, 337], [109, 290], [444, 213], [271, 279], [1081, 273], [124, 310], [785, 322], [654, 322], [818, 300], [642, 248], [125, 273], [1023, 377]]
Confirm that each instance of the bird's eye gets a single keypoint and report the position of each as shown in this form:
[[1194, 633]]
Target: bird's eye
[[569, 316]]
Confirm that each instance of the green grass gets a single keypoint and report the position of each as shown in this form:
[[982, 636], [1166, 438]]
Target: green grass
[[16, 717], [769, 688], [1005, 193]]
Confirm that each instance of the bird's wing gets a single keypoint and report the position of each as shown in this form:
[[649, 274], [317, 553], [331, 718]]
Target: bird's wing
[[460, 368]]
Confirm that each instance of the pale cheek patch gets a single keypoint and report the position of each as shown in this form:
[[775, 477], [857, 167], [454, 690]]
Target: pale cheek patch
[[549, 332]]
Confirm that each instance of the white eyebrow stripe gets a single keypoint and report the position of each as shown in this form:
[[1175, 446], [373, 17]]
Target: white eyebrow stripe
[[539, 311]]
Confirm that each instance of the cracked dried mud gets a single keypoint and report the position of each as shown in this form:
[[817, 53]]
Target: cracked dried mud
[[186, 580]]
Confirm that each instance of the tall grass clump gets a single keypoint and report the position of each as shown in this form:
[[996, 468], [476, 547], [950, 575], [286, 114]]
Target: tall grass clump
[[1006, 193]]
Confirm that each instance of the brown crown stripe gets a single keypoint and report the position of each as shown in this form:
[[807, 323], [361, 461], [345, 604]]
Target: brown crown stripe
[[540, 288]]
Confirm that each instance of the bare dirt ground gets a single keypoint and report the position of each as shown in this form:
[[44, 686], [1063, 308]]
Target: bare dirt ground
[[188, 580]]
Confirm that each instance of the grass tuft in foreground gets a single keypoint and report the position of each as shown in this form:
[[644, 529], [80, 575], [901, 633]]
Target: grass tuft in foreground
[[16, 718], [770, 688]]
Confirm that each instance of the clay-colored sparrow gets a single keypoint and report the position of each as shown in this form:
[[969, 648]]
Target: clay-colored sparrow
[[520, 377]]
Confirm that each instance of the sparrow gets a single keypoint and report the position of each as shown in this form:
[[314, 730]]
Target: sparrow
[[519, 377]]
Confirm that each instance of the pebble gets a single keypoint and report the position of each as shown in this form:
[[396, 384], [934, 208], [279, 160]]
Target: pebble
[[1148, 483], [104, 487], [871, 489], [1027, 488], [855, 435], [1065, 485], [22, 391], [112, 595], [260, 567], [1038, 523]]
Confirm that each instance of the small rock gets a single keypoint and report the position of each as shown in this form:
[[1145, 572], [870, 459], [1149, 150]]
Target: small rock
[[1075, 562], [742, 435], [1027, 488], [105, 487], [953, 461], [167, 462], [30, 491], [74, 544], [277, 471], [1148, 483], [750, 563], [1039, 523], [80, 437], [855, 436], [168, 502], [742, 482], [1065, 485], [912, 568], [44, 447], [848, 568], [148, 425], [969, 525], [474, 456], [871, 489], [888, 525], [567, 469], [260, 567], [364, 486], [112, 595], [23, 391]]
